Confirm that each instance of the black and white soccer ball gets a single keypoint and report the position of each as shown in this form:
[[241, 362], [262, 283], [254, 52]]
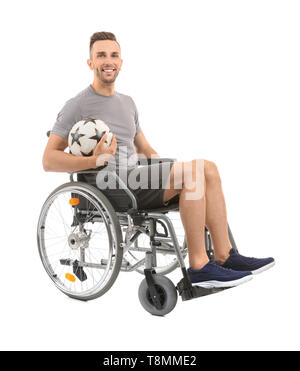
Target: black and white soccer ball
[[85, 135]]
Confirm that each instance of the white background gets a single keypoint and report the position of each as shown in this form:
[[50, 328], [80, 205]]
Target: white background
[[211, 79]]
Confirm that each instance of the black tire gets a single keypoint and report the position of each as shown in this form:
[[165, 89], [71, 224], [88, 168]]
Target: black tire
[[113, 220], [167, 295]]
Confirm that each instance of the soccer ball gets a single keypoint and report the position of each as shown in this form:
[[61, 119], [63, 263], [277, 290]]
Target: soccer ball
[[85, 135]]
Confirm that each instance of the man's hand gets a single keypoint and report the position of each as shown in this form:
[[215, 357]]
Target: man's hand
[[103, 153]]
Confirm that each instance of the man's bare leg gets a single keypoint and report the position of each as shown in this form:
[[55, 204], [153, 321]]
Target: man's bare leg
[[209, 210], [192, 212], [216, 215]]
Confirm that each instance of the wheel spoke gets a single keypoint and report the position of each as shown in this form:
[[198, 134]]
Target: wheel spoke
[[61, 242]]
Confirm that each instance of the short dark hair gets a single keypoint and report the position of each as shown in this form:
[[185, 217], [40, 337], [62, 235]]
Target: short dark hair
[[102, 36]]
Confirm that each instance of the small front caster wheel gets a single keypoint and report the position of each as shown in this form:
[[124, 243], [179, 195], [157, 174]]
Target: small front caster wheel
[[166, 292]]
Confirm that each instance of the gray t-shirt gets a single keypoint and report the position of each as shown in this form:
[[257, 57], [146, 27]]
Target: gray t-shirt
[[118, 111]]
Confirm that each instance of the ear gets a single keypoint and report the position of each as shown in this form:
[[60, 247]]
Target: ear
[[90, 64], [121, 63]]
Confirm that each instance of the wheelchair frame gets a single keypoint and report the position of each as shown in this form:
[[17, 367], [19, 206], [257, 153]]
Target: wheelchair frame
[[136, 217]]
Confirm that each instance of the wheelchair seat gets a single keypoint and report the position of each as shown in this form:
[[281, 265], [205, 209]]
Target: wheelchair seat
[[173, 206]]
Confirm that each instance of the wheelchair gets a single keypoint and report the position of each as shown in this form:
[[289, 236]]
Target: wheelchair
[[87, 236]]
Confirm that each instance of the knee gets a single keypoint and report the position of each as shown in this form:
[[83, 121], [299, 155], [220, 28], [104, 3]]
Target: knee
[[211, 171], [200, 169], [209, 167]]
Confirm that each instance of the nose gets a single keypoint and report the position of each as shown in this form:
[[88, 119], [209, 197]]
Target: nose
[[108, 61]]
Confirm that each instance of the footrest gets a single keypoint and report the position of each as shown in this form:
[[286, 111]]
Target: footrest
[[195, 291]]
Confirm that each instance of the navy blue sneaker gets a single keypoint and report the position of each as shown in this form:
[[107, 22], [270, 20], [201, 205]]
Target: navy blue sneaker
[[214, 275], [242, 263]]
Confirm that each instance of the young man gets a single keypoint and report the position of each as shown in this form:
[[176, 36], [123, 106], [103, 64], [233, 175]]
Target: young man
[[196, 184]]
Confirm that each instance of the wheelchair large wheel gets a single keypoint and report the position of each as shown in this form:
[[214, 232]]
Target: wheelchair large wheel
[[79, 239], [167, 295]]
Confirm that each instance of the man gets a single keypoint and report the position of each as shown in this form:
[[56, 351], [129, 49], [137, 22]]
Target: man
[[195, 183]]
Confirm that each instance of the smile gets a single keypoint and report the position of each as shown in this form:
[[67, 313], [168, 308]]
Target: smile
[[108, 70]]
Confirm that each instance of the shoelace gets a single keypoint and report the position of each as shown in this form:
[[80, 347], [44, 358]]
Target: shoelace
[[219, 266], [243, 257]]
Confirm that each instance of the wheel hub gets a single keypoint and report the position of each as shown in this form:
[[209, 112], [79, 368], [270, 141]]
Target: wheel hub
[[78, 241], [161, 295]]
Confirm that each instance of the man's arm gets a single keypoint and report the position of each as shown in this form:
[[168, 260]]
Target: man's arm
[[55, 159], [143, 147]]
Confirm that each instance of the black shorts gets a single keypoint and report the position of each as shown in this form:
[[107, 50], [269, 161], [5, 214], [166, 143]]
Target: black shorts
[[146, 182], [152, 180]]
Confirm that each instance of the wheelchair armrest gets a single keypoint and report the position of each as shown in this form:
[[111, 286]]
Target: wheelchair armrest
[[87, 171], [151, 161]]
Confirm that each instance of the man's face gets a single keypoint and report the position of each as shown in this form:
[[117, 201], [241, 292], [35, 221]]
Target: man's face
[[105, 60]]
